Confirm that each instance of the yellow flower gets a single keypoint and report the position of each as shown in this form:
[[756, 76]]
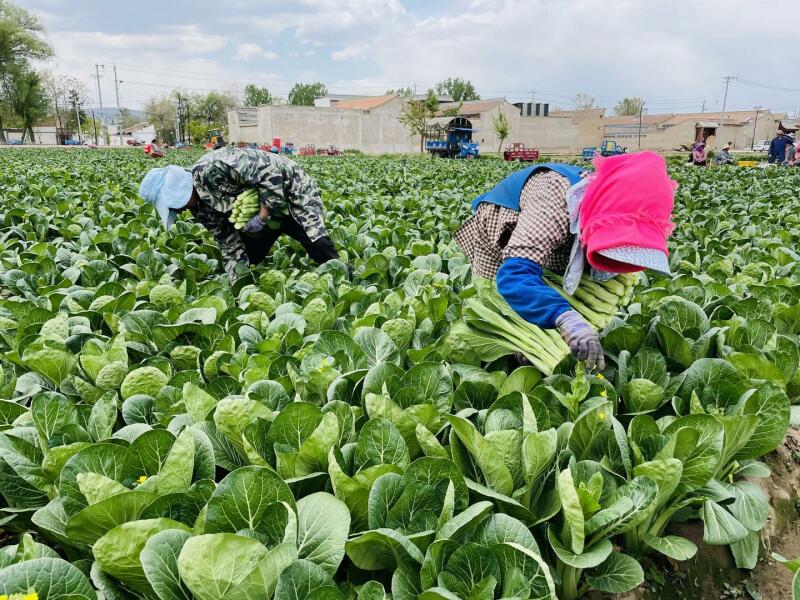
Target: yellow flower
[[4, 597], [604, 394], [600, 376], [141, 479], [31, 596], [601, 416]]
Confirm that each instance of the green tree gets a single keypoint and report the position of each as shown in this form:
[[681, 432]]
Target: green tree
[[256, 96], [501, 128], [303, 94], [29, 101], [584, 101], [415, 115], [161, 113], [213, 108], [628, 107], [458, 89], [197, 131], [403, 92], [22, 39]]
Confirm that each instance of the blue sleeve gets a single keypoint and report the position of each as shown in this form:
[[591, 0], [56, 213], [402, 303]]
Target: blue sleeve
[[519, 281]]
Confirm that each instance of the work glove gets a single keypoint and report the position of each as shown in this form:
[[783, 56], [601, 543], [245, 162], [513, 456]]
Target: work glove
[[583, 341], [254, 225]]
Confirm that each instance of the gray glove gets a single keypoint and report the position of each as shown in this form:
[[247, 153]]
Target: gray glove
[[254, 225], [583, 341]]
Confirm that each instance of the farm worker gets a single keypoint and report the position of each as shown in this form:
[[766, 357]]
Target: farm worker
[[152, 150], [723, 157], [777, 148], [699, 154], [559, 217], [287, 194]]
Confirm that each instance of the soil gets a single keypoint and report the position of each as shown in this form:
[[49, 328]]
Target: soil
[[712, 574]]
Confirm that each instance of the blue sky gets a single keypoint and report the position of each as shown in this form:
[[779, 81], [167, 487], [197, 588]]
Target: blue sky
[[673, 53]]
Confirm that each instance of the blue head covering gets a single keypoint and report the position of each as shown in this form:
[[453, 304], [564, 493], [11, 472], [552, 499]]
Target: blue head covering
[[168, 189]]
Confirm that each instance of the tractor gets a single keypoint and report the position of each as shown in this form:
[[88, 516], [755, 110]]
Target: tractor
[[453, 140], [607, 148], [215, 139]]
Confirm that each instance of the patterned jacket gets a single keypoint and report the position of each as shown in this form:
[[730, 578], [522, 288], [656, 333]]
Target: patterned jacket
[[283, 187], [539, 231]]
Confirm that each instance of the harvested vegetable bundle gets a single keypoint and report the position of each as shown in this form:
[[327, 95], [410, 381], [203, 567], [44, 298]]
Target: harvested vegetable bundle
[[492, 329], [245, 208]]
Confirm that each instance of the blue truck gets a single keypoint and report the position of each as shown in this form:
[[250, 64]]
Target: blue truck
[[451, 141]]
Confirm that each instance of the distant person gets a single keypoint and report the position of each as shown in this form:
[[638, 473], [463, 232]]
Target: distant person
[[562, 218], [723, 157], [777, 148], [791, 151], [699, 156], [289, 199], [152, 150]]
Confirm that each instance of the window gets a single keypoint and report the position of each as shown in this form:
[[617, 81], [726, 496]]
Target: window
[[248, 118]]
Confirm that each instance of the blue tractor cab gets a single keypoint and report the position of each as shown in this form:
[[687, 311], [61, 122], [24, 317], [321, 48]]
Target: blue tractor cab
[[453, 140]]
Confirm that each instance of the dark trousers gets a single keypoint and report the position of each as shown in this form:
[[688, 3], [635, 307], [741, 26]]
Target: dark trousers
[[258, 245]]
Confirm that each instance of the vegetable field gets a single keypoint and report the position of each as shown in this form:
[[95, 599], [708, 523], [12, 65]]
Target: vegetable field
[[305, 435]]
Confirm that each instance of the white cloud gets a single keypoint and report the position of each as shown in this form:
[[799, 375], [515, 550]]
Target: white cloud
[[354, 52], [250, 51]]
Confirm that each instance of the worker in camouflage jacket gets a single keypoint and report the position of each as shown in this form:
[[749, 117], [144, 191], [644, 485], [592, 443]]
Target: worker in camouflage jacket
[[289, 200]]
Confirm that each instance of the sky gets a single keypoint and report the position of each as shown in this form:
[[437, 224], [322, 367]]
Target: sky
[[672, 53]]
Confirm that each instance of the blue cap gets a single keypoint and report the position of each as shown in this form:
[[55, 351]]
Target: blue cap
[[168, 189]]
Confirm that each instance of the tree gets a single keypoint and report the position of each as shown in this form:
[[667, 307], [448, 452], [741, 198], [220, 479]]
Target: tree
[[161, 113], [213, 107], [256, 96], [21, 40], [501, 128], [303, 94], [628, 107], [403, 92], [67, 95], [584, 101], [416, 114], [28, 100], [458, 89], [126, 118]]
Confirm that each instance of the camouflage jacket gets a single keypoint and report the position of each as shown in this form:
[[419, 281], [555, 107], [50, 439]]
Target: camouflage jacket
[[283, 186]]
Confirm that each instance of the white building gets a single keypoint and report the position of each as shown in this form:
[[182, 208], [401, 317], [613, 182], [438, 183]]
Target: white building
[[140, 132]]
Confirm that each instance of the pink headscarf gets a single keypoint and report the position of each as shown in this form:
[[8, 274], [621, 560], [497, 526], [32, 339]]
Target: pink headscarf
[[627, 203]]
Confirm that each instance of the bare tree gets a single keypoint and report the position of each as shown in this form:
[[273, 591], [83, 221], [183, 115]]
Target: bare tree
[[584, 101], [67, 95]]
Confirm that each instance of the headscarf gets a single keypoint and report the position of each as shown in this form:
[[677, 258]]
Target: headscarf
[[627, 205]]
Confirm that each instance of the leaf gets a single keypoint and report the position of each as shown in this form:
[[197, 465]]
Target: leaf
[[590, 557], [242, 498], [675, 547], [159, 559], [573, 513], [323, 523], [721, 528], [620, 573], [51, 578]]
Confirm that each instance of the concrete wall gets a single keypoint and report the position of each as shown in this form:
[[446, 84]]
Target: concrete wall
[[374, 131], [552, 134], [660, 138], [42, 135]]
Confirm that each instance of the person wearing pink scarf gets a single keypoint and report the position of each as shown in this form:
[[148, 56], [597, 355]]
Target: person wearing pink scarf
[[564, 219]]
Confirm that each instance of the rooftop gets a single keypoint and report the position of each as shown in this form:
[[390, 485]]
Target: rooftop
[[135, 127], [734, 117], [364, 103]]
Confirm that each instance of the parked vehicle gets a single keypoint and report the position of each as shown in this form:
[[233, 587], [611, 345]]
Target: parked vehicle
[[452, 141], [762, 146], [518, 151], [607, 148]]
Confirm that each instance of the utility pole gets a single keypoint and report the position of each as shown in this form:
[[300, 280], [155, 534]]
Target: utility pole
[[78, 119], [99, 97], [119, 110], [727, 79], [533, 103], [753, 141], [702, 110], [639, 143], [94, 124]]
